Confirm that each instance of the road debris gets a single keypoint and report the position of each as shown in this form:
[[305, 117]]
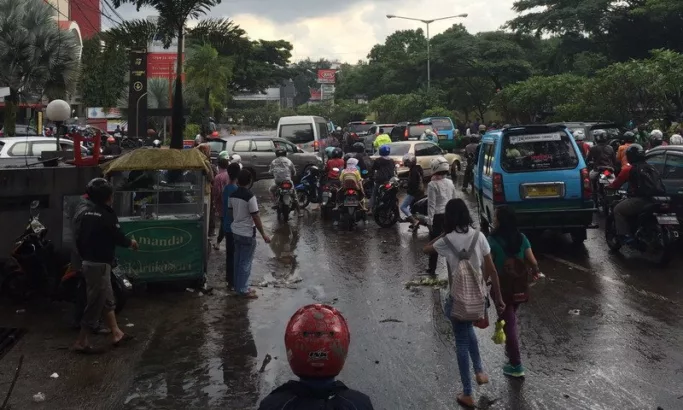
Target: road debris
[[39, 397], [392, 320], [431, 282], [575, 312], [189, 290], [266, 360], [21, 310], [54, 376], [130, 324]]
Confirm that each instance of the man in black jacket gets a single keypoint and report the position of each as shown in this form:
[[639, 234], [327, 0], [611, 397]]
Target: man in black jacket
[[97, 233]]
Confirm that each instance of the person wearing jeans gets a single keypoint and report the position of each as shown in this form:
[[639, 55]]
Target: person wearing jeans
[[226, 222], [243, 209], [415, 189]]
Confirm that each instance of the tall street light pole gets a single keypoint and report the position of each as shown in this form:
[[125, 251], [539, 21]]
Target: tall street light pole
[[429, 47]]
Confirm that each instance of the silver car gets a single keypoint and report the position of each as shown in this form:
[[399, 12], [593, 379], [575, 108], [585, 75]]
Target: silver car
[[258, 152]]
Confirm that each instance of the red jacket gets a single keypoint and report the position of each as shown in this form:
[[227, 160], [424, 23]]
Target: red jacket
[[331, 164], [622, 178]]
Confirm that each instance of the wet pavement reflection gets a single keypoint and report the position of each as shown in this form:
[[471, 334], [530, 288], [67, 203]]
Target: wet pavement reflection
[[601, 331]]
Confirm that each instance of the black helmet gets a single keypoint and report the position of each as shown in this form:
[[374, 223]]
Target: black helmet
[[280, 152], [656, 140], [99, 190], [475, 138], [600, 136], [347, 156], [635, 154], [314, 170], [359, 147], [337, 153], [629, 137]]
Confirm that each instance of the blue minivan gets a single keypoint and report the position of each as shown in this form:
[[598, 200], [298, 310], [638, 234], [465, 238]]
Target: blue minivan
[[445, 130], [537, 170]]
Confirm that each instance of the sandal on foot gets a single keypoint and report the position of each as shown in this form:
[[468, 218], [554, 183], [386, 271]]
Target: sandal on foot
[[466, 401], [481, 378], [126, 338], [87, 350]]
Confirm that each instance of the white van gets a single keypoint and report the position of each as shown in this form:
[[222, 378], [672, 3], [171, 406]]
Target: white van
[[306, 131]]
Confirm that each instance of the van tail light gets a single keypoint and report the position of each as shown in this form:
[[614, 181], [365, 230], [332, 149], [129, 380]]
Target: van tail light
[[586, 182], [498, 190], [405, 134], [316, 145], [387, 186]]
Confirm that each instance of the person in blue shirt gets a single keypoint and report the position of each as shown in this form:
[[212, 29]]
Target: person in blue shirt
[[233, 172]]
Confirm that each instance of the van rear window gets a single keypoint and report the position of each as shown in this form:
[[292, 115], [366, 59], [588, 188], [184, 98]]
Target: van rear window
[[442, 124], [297, 133], [416, 131], [535, 152]]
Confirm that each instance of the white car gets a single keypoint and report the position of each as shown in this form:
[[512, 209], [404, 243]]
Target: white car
[[32, 147]]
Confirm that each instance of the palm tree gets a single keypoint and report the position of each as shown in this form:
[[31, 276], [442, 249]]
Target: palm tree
[[36, 57], [208, 75], [173, 17]]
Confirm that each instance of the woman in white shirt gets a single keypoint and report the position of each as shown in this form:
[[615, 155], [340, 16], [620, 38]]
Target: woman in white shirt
[[458, 228], [439, 191]]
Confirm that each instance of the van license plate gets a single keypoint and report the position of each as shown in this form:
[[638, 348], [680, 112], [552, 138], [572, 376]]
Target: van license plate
[[540, 191], [667, 219], [443, 137]]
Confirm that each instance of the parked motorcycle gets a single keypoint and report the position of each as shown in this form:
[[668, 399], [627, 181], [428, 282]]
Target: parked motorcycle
[[39, 269], [655, 230], [385, 208], [605, 179], [286, 195], [308, 189]]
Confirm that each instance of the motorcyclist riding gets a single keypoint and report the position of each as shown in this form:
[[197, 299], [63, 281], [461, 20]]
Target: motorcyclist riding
[[112, 148], [644, 182], [383, 169], [382, 139], [600, 156], [351, 179], [317, 340], [470, 153], [629, 138], [429, 135], [156, 144], [282, 169], [335, 161], [656, 139], [359, 154], [580, 137]]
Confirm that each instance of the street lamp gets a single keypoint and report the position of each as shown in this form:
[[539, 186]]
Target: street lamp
[[429, 48], [58, 111]]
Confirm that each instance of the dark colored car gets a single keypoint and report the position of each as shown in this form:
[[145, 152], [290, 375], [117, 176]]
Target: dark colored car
[[668, 160], [257, 152], [613, 130], [360, 128], [405, 131]]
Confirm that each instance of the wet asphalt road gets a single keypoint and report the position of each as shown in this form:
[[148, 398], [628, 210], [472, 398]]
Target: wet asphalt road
[[621, 351]]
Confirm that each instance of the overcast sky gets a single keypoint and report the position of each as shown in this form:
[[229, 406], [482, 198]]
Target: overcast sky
[[344, 30]]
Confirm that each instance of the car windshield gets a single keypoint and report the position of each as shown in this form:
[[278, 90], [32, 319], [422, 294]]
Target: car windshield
[[534, 152], [358, 127], [398, 149], [418, 130], [442, 124], [297, 133]]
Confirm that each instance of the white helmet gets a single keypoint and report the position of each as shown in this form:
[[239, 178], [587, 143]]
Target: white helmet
[[339, 128], [579, 135], [235, 158], [439, 164], [676, 139], [656, 133], [429, 131]]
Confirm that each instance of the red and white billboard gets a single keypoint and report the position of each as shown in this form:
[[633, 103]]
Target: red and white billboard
[[316, 94], [326, 76], [162, 65]]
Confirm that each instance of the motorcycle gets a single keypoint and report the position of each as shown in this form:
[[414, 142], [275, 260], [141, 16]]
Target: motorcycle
[[38, 269], [307, 191], [329, 196], [285, 199], [605, 179], [385, 208], [655, 230], [349, 209]]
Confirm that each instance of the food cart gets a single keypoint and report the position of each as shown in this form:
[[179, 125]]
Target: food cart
[[162, 201]]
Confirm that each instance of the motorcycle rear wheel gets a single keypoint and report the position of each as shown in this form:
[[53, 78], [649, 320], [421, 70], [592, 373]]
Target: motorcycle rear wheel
[[283, 211], [302, 197], [386, 217]]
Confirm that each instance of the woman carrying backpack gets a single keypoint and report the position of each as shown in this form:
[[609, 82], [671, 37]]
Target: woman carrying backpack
[[459, 236], [512, 256]]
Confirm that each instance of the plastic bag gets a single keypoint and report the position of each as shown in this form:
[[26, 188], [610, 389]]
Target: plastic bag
[[499, 334]]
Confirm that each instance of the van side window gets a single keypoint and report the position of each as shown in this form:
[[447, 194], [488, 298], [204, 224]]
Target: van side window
[[489, 158], [322, 130], [241, 146]]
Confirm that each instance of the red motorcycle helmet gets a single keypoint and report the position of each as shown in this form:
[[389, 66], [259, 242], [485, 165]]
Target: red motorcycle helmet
[[317, 340]]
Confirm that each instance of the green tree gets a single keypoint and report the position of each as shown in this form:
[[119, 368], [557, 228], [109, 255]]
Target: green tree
[[103, 70], [173, 17], [208, 75], [36, 57]]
